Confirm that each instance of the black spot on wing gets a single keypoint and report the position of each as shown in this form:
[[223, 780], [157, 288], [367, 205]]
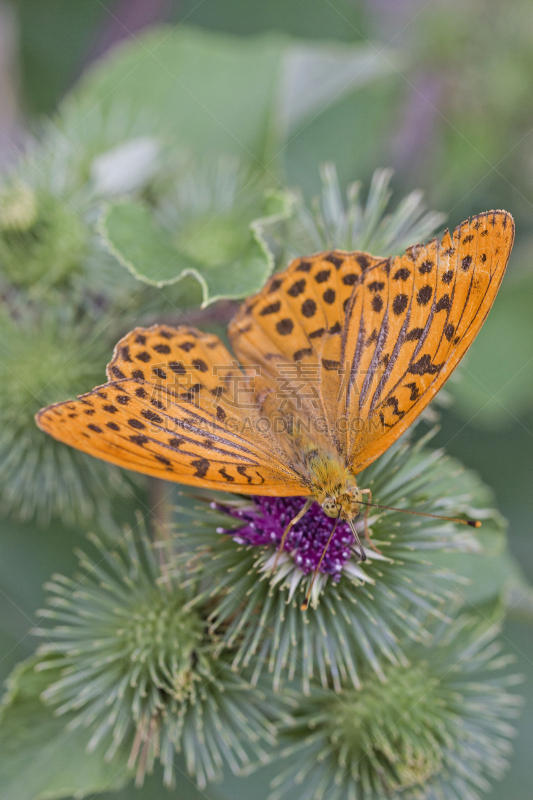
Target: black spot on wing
[[444, 304], [200, 365], [299, 354], [350, 279], [335, 260], [285, 326], [377, 303], [273, 308], [424, 366], [296, 289], [201, 466], [401, 274], [317, 334], [400, 304], [226, 476], [118, 374], [447, 277], [414, 335], [415, 391], [424, 295], [308, 307]]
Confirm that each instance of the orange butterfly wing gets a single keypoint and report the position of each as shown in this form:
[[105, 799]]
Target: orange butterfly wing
[[433, 301], [169, 411], [386, 333], [300, 317]]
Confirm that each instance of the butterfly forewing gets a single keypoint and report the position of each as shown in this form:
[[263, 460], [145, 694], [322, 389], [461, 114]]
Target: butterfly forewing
[[433, 302]]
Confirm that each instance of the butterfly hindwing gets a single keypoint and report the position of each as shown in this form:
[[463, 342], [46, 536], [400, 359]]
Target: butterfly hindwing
[[175, 418]]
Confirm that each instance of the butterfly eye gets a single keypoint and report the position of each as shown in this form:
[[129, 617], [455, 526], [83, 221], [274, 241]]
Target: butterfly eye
[[329, 507]]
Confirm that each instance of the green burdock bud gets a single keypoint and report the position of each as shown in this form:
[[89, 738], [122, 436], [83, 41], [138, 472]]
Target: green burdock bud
[[42, 238], [44, 360], [140, 669], [437, 729]]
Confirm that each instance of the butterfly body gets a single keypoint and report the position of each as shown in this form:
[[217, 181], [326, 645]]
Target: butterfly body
[[334, 359], [333, 486]]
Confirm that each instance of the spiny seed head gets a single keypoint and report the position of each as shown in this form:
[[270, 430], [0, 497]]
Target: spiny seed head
[[159, 631], [137, 667], [210, 211], [42, 239], [431, 730], [46, 358], [358, 726]]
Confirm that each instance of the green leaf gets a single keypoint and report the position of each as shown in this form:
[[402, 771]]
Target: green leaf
[[316, 75], [41, 758], [221, 94], [229, 258]]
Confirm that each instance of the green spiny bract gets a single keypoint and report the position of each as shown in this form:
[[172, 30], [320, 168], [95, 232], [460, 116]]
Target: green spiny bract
[[332, 221]]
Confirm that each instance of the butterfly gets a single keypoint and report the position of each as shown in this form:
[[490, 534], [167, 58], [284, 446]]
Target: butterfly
[[333, 360]]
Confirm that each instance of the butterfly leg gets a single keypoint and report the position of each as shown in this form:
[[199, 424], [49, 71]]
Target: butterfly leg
[[367, 534], [305, 603], [294, 520]]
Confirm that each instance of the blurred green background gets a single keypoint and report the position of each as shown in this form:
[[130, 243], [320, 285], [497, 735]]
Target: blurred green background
[[452, 114]]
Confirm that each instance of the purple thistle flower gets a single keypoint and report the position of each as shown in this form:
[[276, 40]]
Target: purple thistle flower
[[264, 524]]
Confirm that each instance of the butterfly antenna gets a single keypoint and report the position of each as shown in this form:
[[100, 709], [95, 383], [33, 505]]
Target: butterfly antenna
[[474, 523], [305, 603]]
